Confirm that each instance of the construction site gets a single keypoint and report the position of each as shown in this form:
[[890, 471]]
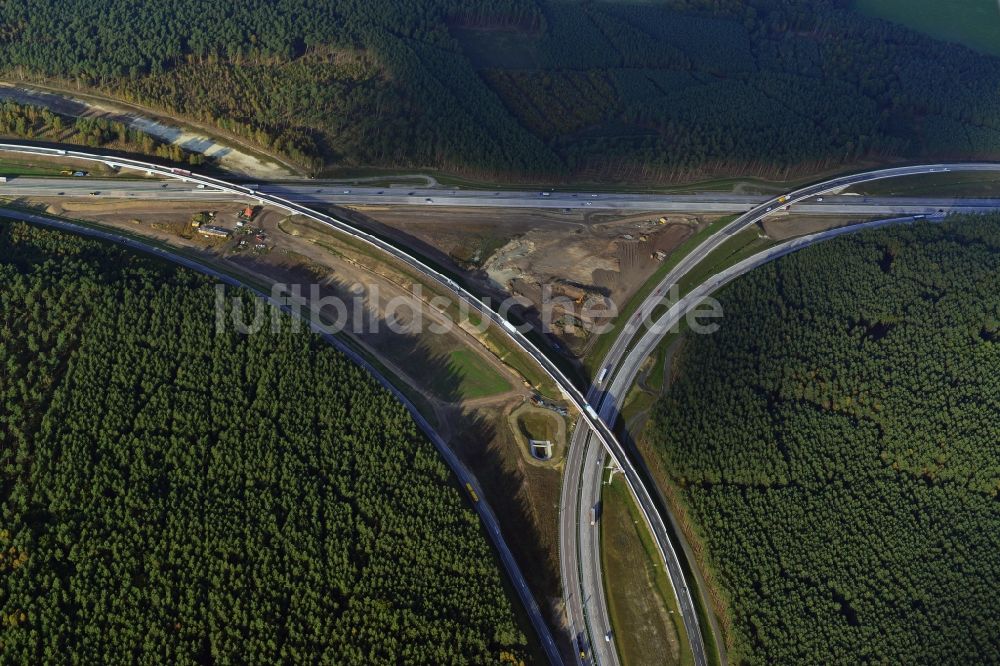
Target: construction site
[[580, 265]]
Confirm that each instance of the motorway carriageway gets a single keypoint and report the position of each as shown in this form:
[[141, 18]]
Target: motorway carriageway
[[318, 194], [589, 416]]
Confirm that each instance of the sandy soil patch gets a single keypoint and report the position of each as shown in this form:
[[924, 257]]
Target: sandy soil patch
[[589, 259]]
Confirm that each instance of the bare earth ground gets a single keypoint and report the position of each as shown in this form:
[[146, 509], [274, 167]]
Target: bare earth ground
[[280, 249], [580, 258], [295, 251], [529, 509]]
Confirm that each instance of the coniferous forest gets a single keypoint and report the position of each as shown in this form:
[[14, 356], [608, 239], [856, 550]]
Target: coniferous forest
[[837, 444], [33, 122], [174, 495], [528, 88]]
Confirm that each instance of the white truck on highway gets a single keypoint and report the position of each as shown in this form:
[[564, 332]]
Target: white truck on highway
[[601, 375]]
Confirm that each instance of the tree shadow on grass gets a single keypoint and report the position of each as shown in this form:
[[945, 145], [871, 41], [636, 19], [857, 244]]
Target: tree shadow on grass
[[400, 337], [506, 486]]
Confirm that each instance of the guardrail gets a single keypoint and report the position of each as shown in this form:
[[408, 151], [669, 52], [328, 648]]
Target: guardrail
[[570, 391]]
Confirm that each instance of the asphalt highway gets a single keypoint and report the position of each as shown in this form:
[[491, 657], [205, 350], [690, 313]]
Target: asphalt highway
[[589, 418], [599, 427], [583, 585], [326, 195]]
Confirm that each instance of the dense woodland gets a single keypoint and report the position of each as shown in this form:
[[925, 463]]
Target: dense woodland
[[33, 122], [529, 88], [838, 445], [174, 495]]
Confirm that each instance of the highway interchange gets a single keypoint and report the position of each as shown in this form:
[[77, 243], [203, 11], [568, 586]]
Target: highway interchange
[[591, 424]]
